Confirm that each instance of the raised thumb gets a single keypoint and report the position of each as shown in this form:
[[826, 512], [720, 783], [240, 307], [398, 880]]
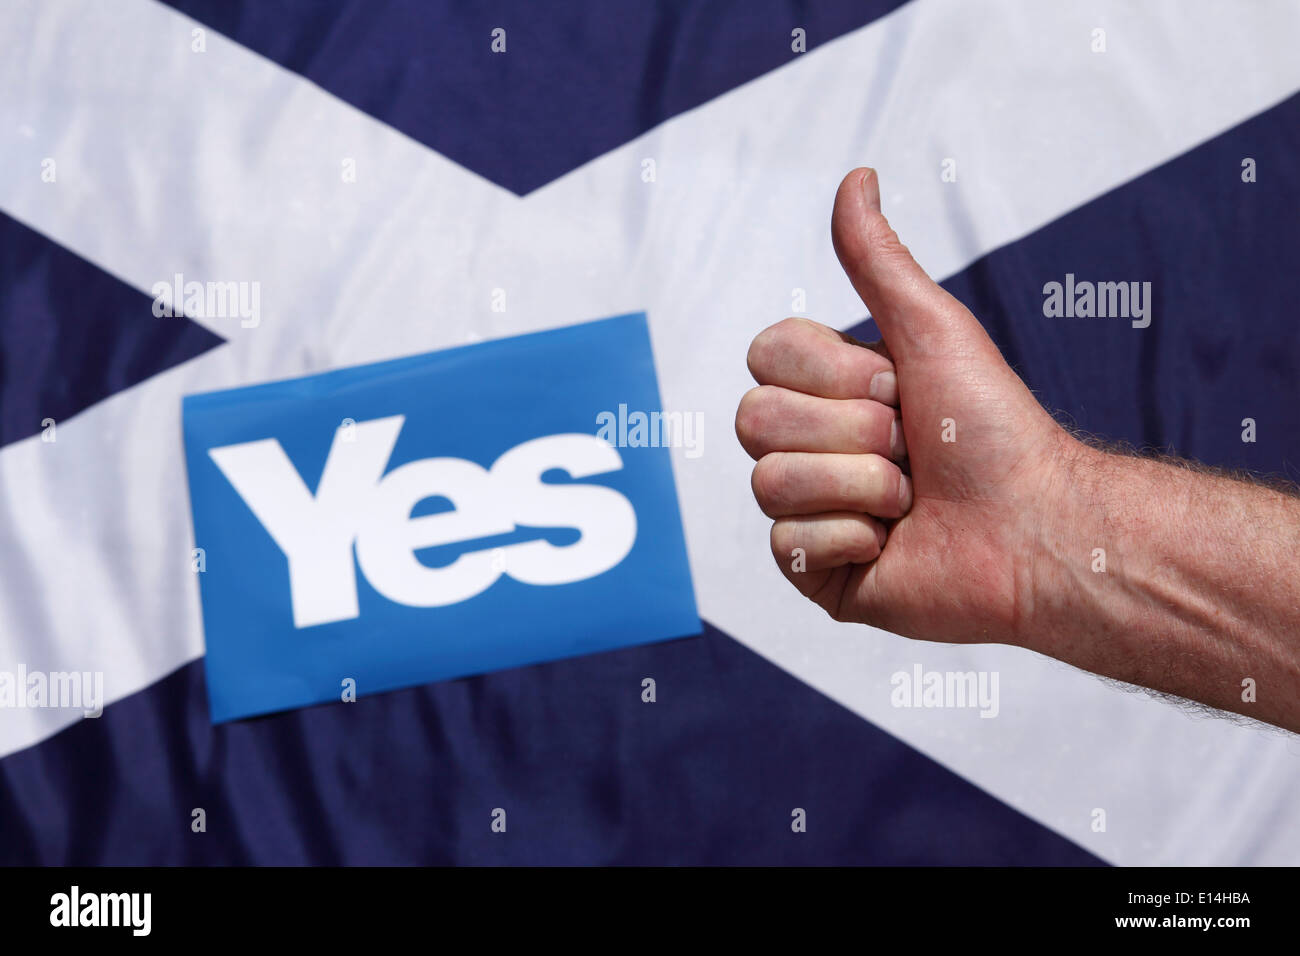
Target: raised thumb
[[914, 314]]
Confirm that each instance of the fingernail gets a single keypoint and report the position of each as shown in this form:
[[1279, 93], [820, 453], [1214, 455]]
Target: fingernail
[[884, 388], [897, 444], [871, 188], [904, 493]]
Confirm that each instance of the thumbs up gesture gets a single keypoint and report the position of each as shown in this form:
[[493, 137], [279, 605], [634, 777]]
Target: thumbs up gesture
[[910, 480]]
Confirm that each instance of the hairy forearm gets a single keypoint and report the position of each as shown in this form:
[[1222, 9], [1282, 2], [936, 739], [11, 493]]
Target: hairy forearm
[[1179, 580]]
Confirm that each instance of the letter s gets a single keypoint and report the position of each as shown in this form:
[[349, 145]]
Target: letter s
[[605, 519]]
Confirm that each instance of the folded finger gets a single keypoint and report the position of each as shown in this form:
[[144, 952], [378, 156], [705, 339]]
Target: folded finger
[[802, 543], [799, 483], [808, 357], [771, 419]]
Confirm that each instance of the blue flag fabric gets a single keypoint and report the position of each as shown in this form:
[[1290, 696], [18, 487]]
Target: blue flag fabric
[[378, 176]]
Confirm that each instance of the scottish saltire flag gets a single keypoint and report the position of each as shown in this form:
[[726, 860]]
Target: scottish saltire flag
[[200, 196]]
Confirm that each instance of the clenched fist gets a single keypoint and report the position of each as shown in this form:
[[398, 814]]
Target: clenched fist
[[905, 477], [916, 485]]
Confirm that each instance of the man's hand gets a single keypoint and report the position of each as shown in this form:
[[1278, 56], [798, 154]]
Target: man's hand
[[996, 535], [982, 452]]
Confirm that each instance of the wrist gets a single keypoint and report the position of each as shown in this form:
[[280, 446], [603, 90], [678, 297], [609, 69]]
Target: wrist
[[1067, 545], [1150, 573]]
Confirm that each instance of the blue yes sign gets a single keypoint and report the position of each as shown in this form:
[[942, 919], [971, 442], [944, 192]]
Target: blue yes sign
[[431, 517]]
